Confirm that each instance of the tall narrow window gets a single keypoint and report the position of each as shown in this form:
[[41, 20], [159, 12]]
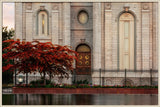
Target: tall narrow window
[[126, 41], [126, 44], [42, 23]]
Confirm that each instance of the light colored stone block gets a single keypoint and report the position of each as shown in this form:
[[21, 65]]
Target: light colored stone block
[[55, 23], [96, 36]]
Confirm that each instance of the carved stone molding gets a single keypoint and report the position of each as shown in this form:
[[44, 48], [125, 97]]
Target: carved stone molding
[[126, 7], [107, 6], [83, 40], [145, 6], [55, 7], [29, 6], [42, 7]]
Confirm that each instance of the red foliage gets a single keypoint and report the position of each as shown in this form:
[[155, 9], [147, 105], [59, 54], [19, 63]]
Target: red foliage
[[32, 57]]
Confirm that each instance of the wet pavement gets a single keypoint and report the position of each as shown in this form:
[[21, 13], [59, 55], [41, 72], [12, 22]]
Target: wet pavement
[[80, 99]]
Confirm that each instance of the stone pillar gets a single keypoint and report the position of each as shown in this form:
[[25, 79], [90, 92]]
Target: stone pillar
[[155, 36], [145, 36], [103, 36], [29, 22], [18, 21], [96, 36], [150, 36], [55, 22], [138, 39], [60, 41], [66, 24], [108, 37]]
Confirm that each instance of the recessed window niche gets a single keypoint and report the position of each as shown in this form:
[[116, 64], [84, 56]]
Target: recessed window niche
[[83, 17]]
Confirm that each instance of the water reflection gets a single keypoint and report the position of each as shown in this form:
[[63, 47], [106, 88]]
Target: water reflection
[[79, 99]]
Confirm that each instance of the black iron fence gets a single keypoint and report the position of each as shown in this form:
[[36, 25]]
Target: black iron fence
[[120, 77], [125, 77], [99, 77]]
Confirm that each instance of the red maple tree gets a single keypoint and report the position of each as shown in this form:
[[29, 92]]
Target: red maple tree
[[45, 58]]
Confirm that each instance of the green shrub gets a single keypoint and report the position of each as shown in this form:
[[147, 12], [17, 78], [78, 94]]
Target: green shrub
[[97, 86], [82, 86], [69, 86], [48, 86], [81, 82], [38, 82]]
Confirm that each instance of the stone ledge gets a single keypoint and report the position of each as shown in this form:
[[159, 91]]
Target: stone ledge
[[84, 91]]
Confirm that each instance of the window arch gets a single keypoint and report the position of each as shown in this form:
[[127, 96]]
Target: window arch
[[126, 41], [42, 23], [83, 48]]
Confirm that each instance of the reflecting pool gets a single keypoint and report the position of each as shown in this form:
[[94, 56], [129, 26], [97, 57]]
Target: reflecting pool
[[80, 99]]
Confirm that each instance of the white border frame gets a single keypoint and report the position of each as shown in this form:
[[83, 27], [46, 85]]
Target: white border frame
[[9, 1]]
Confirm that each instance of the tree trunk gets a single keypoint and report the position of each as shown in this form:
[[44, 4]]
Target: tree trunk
[[44, 78], [50, 77], [27, 78]]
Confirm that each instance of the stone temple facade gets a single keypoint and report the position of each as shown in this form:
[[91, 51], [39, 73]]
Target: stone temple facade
[[109, 37]]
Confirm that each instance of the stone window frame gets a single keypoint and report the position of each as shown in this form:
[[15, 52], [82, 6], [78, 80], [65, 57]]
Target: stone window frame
[[85, 11], [37, 22], [135, 48]]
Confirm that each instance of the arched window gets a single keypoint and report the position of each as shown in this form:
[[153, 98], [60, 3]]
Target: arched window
[[42, 23], [126, 41]]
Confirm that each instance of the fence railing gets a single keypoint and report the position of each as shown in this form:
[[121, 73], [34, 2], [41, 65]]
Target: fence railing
[[104, 77], [125, 77]]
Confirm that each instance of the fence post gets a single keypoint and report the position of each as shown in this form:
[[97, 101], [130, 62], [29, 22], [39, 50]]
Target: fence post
[[50, 76], [74, 75], [125, 77], [151, 77], [103, 77], [15, 79], [27, 78], [100, 76]]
